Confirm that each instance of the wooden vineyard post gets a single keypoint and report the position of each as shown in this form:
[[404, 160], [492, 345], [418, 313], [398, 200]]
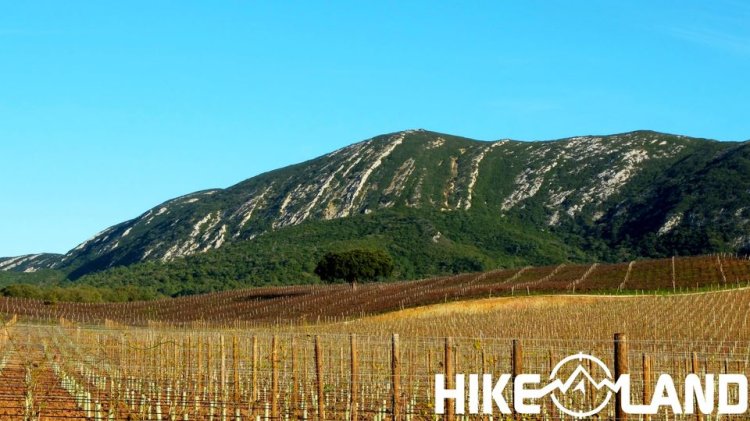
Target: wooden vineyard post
[[255, 370], [159, 358], [410, 373], [354, 392], [236, 373], [295, 380], [274, 378], [199, 389], [621, 367], [223, 373], [483, 372], [726, 365], [341, 363], [647, 392], [450, 411], [395, 378], [176, 359], [516, 364], [429, 369], [188, 359], [319, 379], [590, 392], [696, 370], [552, 358], [209, 369]]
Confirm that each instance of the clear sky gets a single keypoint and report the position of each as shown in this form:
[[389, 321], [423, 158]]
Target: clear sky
[[109, 108]]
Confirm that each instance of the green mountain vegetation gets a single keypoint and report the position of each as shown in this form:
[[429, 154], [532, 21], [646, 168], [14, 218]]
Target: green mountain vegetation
[[436, 203], [421, 244]]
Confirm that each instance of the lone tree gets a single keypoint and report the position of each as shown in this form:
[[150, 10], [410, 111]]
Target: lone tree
[[354, 265]]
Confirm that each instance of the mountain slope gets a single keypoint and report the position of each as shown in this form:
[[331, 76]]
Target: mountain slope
[[603, 197], [700, 204], [421, 242], [30, 262]]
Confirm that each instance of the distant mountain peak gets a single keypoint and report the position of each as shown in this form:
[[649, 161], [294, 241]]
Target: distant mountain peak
[[624, 190]]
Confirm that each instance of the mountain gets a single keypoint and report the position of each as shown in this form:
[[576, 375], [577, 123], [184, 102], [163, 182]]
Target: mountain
[[458, 203], [30, 262]]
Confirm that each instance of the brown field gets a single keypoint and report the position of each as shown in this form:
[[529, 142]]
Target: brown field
[[174, 367], [327, 303], [701, 316]]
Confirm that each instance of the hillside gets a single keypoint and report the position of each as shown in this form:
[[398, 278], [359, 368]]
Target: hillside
[[309, 303], [439, 204], [29, 262]]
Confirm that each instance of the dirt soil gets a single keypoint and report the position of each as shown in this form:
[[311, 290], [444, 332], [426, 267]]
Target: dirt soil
[[50, 400]]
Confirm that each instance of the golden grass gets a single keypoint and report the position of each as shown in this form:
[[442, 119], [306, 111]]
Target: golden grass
[[707, 316]]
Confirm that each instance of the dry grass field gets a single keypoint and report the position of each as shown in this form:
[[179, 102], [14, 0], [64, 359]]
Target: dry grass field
[[701, 316], [380, 365]]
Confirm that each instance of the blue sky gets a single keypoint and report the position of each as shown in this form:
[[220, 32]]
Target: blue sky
[[109, 108]]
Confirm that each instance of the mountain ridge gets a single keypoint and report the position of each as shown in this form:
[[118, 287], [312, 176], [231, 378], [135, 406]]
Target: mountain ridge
[[582, 190]]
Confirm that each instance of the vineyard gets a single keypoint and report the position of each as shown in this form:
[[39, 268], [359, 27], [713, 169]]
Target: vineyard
[[375, 351], [326, 303]]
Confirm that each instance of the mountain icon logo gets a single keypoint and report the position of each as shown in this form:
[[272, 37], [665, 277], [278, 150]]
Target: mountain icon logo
[[577, 383]]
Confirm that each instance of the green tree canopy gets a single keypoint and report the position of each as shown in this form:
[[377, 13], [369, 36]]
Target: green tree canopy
[[354, 265]]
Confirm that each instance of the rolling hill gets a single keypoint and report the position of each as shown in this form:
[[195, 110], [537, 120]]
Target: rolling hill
[[310, 303]]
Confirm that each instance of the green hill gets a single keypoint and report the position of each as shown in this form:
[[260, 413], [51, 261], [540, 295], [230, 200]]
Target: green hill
[[438, 204]]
